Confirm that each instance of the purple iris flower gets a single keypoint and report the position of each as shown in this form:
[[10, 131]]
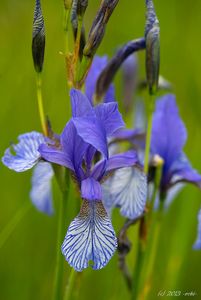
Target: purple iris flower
[[84, 150], [168, 139], [197, 244], [23, 156]]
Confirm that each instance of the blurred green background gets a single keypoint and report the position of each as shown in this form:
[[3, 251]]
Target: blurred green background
[[27, 259]]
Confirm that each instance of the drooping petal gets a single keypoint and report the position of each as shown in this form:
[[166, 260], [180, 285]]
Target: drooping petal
[[127, 189], [90, 237], [197, 244], [92, 132], [81, 106], [97, 66], [169, 132], [182, 170], [125, 159], [41, 194], [109, 115], [54, 155], [91, 189], [26, 152]]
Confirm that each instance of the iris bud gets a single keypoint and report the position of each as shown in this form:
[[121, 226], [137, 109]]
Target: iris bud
[[152, 36], [81, 7], [98, 27], [38, 38]]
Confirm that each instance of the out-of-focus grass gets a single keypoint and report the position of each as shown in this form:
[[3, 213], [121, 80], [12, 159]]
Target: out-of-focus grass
[[27, 259]]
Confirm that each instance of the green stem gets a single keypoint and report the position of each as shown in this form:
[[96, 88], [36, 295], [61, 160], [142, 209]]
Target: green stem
[[143, 221], [70, 285], [155, 234], [78, 284], [9, 228], [40, 103], [138, 268], [148, 136], [61, 233], [83, 70], [157, 181]]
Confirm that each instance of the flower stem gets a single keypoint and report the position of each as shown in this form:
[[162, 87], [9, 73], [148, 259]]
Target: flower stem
[[143, 221], [70, 285], [139, 262], [61, 233], [40, 102], [154, 236], [148, 136]]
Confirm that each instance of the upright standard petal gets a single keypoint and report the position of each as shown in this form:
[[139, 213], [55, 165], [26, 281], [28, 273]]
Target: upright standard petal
[[81, 107], [90, 237], [99, 63], [73, 145], [197, 244], [91, 130], [169, 132], [127, 189], [91, 189], [89, 158], [26, 152], [41, 194], [109, 115]]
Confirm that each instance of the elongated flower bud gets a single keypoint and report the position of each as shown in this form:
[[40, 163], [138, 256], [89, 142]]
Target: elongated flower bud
[[74, 20], [81, 7], [114, 64], [152, 36], [78, 10], [98, 27], [38, 38]]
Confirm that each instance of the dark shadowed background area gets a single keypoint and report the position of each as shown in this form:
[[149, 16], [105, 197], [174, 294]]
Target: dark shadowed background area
[[27, 258]]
